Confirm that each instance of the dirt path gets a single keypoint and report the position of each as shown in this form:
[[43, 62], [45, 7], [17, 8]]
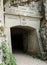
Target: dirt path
[[23, 59]]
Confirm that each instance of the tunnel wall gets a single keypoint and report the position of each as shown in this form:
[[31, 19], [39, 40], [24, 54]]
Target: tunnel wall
[[33, 46]]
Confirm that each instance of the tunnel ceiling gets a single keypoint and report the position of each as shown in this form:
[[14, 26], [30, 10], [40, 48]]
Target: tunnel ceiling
[[27, 28], [21, 29]]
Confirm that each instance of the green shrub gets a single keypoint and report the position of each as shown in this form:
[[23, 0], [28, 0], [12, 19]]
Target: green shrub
[[7, 56]]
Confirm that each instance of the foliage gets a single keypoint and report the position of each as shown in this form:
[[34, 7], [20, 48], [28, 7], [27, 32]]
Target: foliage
[[39, 56], [1, 28], [7, 56], [2, 63]]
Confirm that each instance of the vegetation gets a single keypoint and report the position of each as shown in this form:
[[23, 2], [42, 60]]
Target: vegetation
[[40, 56], [8, 58]]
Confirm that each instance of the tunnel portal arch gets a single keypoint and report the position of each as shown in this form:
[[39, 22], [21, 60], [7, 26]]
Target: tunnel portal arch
[[28, 23], [29, 38]]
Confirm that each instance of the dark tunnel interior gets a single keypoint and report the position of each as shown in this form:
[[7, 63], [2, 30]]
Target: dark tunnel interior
[[19, 40]]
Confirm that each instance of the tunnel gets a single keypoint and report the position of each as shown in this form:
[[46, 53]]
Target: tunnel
[[23, 39], [19, 38]]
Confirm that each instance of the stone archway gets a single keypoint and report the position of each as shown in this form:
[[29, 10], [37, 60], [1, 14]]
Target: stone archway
[[26, 23], [24, 38]]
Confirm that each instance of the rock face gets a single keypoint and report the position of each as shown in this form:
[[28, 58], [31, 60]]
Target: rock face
[[43, 35], [43, 28]]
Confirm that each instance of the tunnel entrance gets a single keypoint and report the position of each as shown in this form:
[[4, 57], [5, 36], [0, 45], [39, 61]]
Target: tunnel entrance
[[24, 39], [19, 39]]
